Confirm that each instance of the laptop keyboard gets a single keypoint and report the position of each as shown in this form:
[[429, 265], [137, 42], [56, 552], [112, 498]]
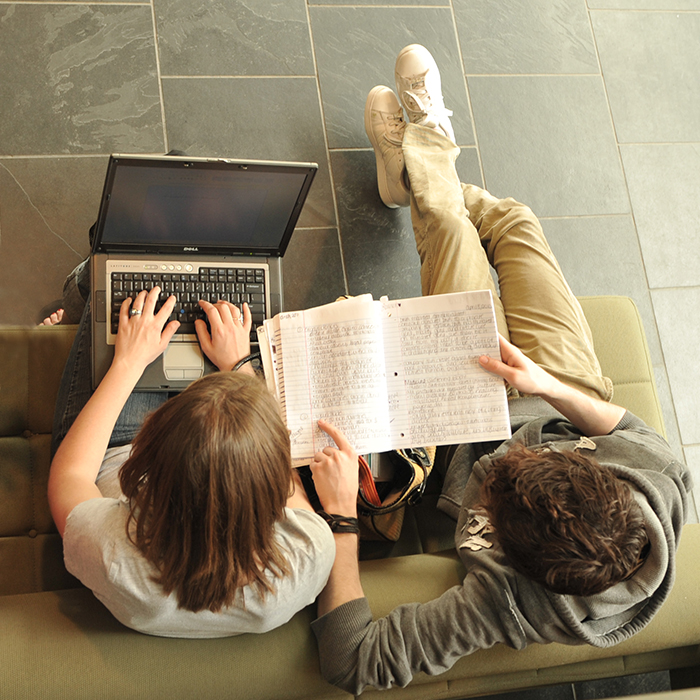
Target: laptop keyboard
[[212, 284]]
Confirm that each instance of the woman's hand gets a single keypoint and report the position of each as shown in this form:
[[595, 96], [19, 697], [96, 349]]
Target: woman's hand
[[141, 337], [336, 474], [519, 370], [229, 340]]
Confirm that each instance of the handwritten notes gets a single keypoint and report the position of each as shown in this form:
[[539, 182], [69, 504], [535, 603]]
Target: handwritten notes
[[389, 374], [438, 392]]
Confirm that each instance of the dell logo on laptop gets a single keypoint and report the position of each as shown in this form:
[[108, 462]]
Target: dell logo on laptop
[[186, 248]]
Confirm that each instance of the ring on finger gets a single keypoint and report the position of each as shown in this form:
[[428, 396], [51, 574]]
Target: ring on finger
[[135, 312]]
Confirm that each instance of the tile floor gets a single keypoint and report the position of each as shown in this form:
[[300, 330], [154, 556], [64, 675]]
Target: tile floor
[[587, 111]]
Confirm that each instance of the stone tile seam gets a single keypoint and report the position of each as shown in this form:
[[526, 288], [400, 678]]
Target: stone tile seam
[[329, 160], [659, 143], [60, 3], [38, 211], [641, 11], [238, 77], [156, 47], [472, 118], [532, 75]]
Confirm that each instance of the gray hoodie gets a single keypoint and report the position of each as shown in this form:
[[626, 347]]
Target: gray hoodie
[[497, 604]]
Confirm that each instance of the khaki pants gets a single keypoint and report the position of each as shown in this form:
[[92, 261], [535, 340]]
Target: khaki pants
[[461, 229]]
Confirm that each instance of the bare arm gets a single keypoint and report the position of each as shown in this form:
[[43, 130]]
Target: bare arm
[[140, 340], [336, 475], [590, 415], [74, 469]]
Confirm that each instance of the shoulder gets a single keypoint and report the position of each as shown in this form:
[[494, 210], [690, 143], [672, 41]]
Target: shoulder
[[95, 518], [308, 545], [95, 532]]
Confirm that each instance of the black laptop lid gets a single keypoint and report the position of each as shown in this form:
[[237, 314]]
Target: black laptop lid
[[177, 205]]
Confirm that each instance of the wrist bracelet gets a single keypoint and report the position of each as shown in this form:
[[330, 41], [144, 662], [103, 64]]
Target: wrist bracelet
[[341, 523], [247, 358]]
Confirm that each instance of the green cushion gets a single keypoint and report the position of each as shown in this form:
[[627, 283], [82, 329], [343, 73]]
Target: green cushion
[[621, 347]]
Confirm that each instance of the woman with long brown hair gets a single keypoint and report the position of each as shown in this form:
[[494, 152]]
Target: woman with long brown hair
[[187, 520]]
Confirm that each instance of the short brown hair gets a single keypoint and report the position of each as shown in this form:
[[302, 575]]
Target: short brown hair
[[208, 477], [563, 519]]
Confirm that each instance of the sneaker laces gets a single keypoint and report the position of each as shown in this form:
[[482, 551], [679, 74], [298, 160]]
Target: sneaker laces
[[419, 94], [395, 126]]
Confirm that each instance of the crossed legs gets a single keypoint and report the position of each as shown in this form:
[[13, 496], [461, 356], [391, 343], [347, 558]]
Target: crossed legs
[[462, 231]]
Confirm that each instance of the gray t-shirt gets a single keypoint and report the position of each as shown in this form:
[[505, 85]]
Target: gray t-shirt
[[98, 552]]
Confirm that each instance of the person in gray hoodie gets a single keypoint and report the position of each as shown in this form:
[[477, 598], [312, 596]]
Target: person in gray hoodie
[[568, 530]]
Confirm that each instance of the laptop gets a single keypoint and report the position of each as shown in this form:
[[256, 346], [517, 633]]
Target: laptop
[[198, 228]]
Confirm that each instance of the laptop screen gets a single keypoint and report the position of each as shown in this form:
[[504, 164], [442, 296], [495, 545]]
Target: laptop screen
[[176, 205]]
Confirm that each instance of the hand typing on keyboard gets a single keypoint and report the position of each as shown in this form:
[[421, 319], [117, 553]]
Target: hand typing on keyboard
[[237, 286], [144, 333], [228, 338]]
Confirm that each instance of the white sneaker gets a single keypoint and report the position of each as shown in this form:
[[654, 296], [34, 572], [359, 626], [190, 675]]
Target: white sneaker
[[420, 89], [385, 125]]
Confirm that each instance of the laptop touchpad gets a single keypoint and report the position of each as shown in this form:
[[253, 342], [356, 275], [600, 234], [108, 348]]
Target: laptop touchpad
[[183, 361]]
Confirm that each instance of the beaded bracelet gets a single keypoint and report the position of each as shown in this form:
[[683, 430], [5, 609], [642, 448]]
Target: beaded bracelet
[[341, 523]]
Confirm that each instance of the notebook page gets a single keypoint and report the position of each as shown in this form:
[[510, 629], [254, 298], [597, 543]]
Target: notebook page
[[438, 393], [267, 358], [333, 364]]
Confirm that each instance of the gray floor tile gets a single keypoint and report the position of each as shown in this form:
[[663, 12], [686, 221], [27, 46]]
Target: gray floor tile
[[693, 516], [258, 37], [644, 4], [257, 118], [680, 340], [668, 410], [539, 36], [649, 62], [378, 245], [664, 186], [549, 142], [313, 269], [563, 691], [692, 459], [47, 206], [600, 255], [625, 685], [468, 167], [383, 3], [372, 38], [78, 79]]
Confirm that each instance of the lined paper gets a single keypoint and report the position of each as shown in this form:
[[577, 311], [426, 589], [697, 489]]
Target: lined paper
[[389, 374]]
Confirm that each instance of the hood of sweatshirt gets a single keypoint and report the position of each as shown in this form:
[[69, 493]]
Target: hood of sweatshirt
[[658, 483]]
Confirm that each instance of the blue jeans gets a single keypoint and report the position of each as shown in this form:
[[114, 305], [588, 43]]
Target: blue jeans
[[76, 389]]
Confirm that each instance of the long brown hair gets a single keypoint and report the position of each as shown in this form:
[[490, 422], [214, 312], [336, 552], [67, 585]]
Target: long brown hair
[[208, 477], [564, 520]]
